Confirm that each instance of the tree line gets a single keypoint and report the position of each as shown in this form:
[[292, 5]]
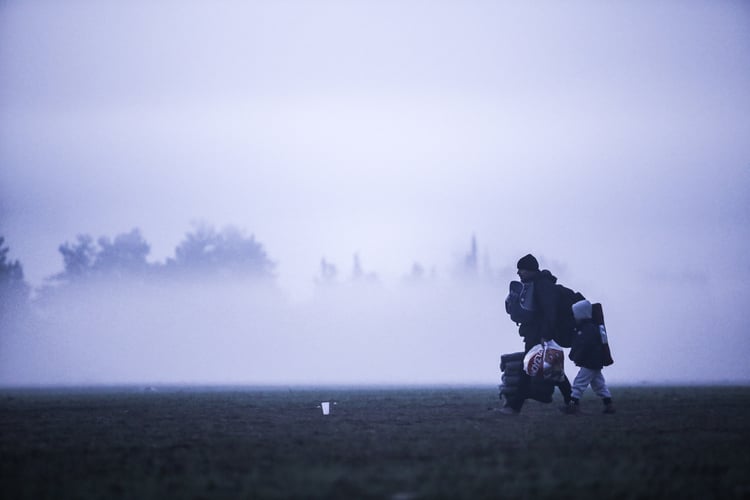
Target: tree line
[[204, 252]]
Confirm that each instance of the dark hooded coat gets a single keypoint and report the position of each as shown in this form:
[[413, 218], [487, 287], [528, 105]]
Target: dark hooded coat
[[587, 350]]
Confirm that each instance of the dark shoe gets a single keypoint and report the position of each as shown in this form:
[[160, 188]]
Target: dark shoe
[[570, 409], [609, 408]]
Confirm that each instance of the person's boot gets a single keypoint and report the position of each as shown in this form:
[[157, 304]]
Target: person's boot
[[609, 408], [571, 407], [566, 390]]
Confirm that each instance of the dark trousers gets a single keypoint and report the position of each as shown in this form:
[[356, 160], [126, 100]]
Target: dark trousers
[[524, 391], [525, 385]]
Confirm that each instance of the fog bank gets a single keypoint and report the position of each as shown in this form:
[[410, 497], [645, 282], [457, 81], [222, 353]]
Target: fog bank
[[434, 332]]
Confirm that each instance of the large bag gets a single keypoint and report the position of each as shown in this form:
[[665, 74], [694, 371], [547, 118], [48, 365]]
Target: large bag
[[511, 365], [511, 362], [597, 315], [545, 361], [538, 389], [519, 303]]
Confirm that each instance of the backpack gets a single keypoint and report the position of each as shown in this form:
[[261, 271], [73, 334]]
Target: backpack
[[519, 303], [565, 323], [598, 317]]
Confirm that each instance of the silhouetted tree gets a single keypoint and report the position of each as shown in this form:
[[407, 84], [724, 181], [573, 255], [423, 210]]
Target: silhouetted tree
[[123, 256], [356, 268], [78, 258], [13, 287], [466, 267], [328, 273], [359, 275], [228, 252], [471, 259], [417, 271]]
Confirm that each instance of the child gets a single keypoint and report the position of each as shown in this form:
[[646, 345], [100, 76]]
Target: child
[[590, 354]]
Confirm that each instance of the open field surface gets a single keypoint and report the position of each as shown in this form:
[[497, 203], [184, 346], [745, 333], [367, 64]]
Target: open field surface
[[424, 442]]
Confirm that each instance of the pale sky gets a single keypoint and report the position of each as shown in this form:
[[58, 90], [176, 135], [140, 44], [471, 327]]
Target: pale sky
[[608, 138]]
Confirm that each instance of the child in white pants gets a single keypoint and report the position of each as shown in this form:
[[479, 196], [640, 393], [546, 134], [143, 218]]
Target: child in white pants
[[595, 378], [589, 354]]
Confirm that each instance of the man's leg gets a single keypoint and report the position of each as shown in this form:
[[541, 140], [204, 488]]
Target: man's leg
[[565, 388]]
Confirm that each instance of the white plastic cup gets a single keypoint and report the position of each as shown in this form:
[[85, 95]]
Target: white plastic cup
[[326, 407]]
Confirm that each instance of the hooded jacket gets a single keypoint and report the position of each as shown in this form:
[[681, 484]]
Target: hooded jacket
[[587, 350], [545, 310]]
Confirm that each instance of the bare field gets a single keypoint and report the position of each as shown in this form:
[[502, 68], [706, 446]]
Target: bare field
[[400, 443]]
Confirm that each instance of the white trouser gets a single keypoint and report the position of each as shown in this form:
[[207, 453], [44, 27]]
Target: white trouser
[[588, 376]]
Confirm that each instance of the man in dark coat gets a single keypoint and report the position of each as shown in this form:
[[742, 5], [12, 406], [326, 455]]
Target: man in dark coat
[[541, 328]]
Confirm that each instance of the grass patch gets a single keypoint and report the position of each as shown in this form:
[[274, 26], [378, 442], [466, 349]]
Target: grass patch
[[687, 442]]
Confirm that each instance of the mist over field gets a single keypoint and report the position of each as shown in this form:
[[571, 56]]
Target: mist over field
[[608, 139], [237, 332]]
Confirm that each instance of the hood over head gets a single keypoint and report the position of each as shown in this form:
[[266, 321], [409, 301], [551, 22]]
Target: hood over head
[[582, 310]]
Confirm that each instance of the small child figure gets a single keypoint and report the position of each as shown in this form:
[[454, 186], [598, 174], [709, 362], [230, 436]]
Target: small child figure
[[591, 354]]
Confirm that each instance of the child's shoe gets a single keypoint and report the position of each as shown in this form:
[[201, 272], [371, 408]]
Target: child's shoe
[[609, 408]]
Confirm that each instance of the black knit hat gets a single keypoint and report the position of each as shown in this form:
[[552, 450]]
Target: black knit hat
[[528, 262]]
